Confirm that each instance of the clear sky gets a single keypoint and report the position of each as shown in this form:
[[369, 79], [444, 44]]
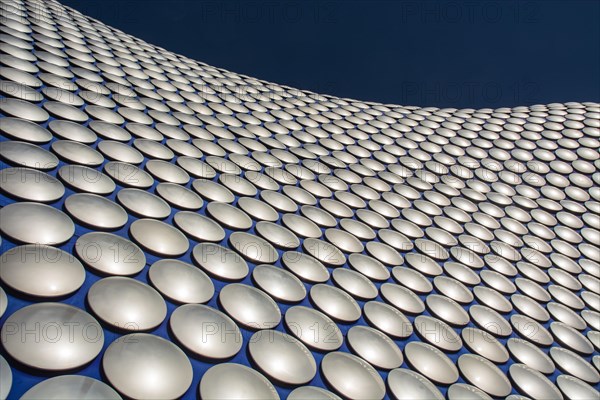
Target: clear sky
[[427, 53]]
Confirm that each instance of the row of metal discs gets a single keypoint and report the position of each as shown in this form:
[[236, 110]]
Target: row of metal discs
[[444, 230]]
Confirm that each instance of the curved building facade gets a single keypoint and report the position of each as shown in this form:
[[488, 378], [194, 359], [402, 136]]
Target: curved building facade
[[170, 229]]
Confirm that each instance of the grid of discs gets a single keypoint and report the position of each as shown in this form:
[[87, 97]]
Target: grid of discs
[[172, 229]]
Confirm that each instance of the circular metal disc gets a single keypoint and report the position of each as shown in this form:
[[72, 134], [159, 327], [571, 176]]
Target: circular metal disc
[[141, 203], [144, 366], [253, 247], [412, 279], [30, 185], [206, 331], [402, 298], [128, 175], [86, 179], [485, 375], [344, 240], [27, 155], [374, 347], [179, 196], [324, 252], [490, 320], [575, 389], [72, 337], [3, 301], [95, 211], [77, 153], [220, 261], [229, 216], [40, 270], [71, 387], [351, 376], [574, 364], [304, 266], [199, 227], [279, 283], [431, 362], [249, 306], [466, 392], [301, 226], [6, 378], [257, 209], [368, 266], [159, 237], [312, 393], [388, 319], [110, 254], [571, 338], [229, 381], [181, 281], [72, 131], [313, 328], [335, 302], [277, 234], [272, 349], [438, 333], [166, 172], [354, 283], [23, 109], [384, 253], [532, 383], [531, 355], [35, 223], [24, 129], [409, 385], [127, 304], [484, 344]]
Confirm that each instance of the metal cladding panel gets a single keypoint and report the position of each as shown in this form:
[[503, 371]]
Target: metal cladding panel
[[172, 229]]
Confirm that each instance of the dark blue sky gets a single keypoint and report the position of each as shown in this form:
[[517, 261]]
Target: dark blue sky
[[428, 53]]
